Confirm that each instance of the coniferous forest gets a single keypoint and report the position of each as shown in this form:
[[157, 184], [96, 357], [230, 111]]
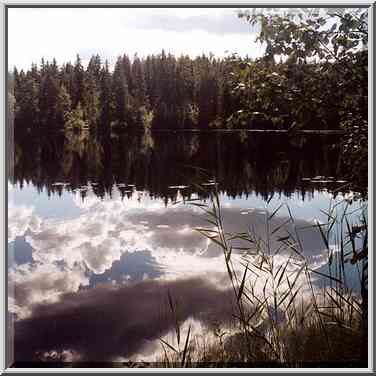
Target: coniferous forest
[[167, 92], [159, 92]]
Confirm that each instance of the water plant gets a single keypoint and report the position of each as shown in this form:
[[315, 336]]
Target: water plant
[[288, 310]]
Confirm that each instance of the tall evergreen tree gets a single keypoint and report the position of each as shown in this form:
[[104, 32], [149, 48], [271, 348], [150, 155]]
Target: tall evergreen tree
[[121, 95], [92, 92], [106, 103], [78, 82]]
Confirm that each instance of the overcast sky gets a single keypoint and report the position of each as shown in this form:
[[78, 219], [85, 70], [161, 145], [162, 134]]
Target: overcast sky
[[62, 33]]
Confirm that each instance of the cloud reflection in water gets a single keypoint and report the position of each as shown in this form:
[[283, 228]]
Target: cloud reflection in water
[[101, 277], [106, 322]]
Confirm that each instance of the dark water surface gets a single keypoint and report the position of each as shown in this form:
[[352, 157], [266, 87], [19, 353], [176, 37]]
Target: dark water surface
[[102, 230]]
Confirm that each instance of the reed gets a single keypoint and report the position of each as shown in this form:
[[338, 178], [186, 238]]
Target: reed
[[282, 318]]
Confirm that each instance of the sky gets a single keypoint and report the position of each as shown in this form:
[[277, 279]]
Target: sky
[[62, 33]]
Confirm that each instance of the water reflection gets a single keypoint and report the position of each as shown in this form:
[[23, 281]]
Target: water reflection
[[96, 239], [117, 243], [136, 267], [19, 251], [106, 323], [264, 165]]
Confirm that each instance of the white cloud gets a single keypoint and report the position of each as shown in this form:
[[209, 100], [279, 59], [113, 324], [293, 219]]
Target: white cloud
[[62, 33], [41, 283], [101, 256], [21, 218]]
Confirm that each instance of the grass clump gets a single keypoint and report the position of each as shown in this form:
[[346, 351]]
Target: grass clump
[[288, 312]]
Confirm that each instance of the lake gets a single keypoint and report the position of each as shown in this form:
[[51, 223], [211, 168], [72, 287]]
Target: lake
[[101, 231]]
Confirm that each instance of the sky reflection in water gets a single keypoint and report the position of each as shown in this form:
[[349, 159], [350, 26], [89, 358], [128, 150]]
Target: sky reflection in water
[[89, 278]]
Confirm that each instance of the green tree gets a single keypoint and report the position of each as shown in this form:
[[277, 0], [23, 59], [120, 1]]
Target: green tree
[[121, 95], [49, 96], [26, 93], [92, 92], [78, 93], [325, 49], [106, 103], [324, 79]]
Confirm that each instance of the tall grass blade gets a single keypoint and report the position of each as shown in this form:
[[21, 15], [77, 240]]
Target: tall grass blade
[[168, 345], [292, 298], [323, 236], [185, 351], [241, 288], [326, 276], [275, 212], [280, 226]]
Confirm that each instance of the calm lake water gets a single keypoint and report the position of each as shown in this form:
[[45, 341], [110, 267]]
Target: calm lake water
[[102, 230]]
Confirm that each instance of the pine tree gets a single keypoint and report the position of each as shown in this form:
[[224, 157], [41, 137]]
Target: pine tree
[[127, 70], [77, 93], [139, 88], [27, 98], [121, 95], [92, 93], [106, 103], [48, 96]]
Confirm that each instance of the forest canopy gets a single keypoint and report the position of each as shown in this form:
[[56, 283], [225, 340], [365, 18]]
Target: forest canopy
[[159, 91]]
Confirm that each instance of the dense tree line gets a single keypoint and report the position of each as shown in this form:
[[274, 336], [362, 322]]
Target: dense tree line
[[165, 92], [159, 91]]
